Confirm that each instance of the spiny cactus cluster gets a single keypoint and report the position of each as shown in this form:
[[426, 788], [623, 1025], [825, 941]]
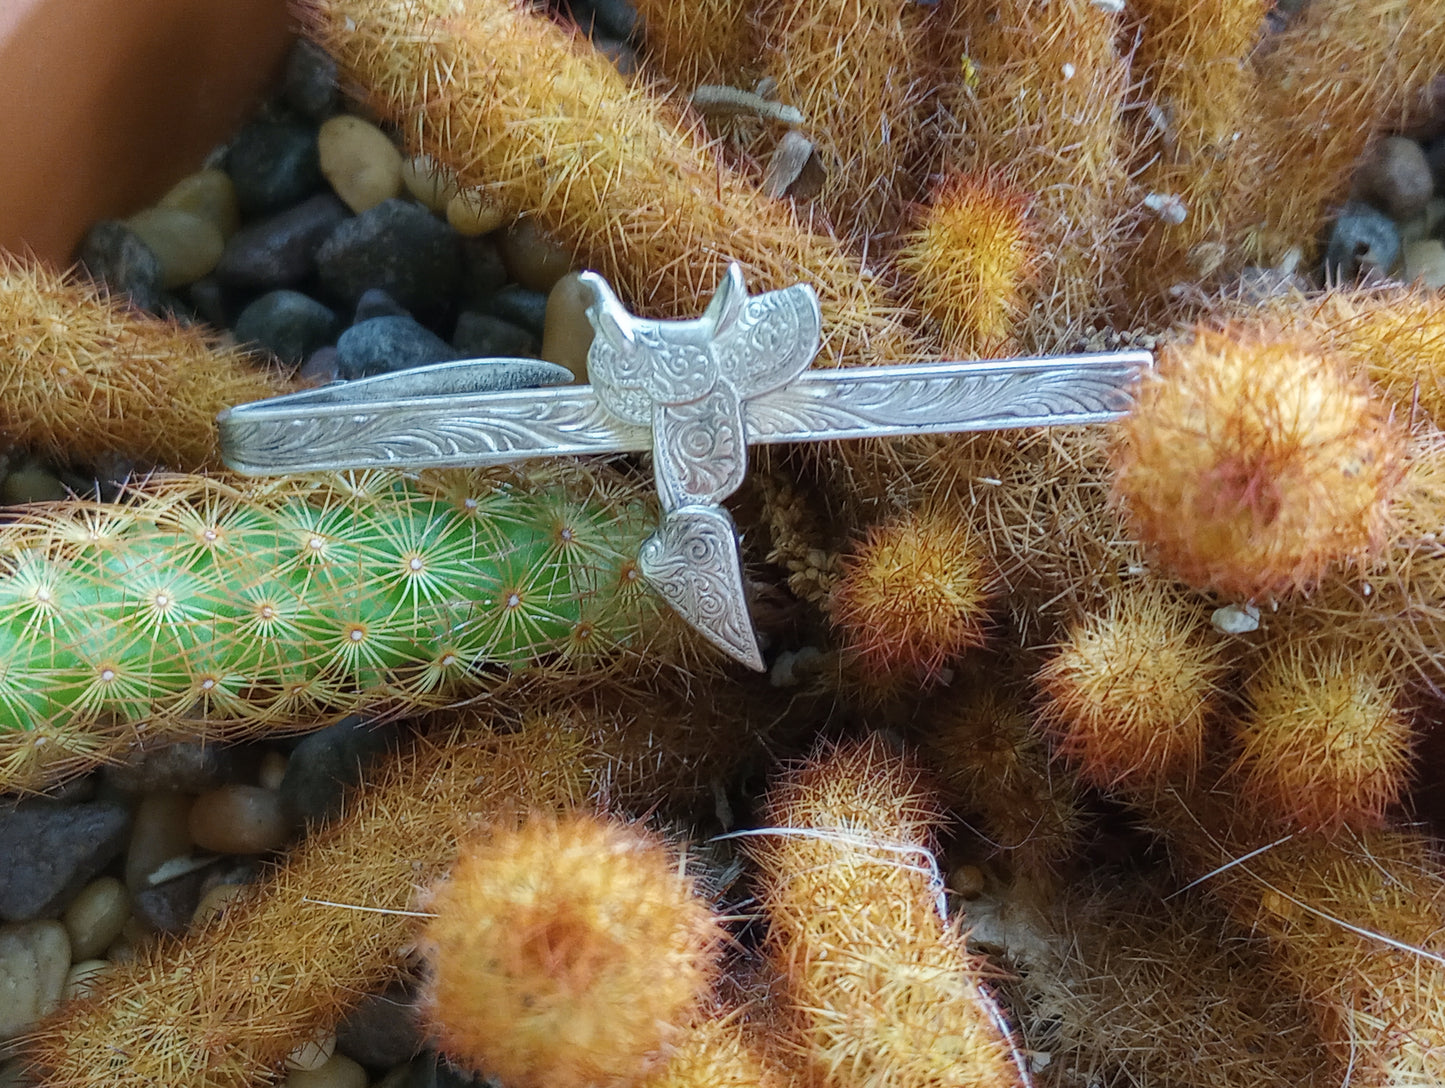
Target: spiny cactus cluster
[[1173, 677]]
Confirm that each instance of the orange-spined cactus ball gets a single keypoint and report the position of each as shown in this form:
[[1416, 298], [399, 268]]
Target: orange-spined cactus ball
[[566, 953], [968, 257], [913, 596], [1253, 462], [1326, 740], [1129, 692]]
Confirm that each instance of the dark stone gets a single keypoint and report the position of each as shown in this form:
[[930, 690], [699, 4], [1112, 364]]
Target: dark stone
[[1363, 240], [311, 81], [169, 906], [49, 852], [397, 246], [321, 367], [483, 334], [385, 344], [273, 164], [186, 766], [382, 1030], [375, 302], [210, 301], [325, 764], [1435, 156], [288, 324], [615, 18], [483, 273], [431, 1070], [280, 251], [520, 306], [114, 256]]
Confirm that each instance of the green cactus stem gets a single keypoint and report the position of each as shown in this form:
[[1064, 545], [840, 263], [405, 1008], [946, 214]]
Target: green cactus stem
[[217, 607]]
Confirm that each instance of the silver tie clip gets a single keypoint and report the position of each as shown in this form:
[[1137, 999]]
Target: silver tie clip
[[696, 393]]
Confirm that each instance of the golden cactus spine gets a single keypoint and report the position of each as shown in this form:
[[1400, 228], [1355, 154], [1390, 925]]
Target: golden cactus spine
[[516, 105], [205, 608], [855, 69], [87, 376], [1325, 738], [912, 597], [1131, 690], [1254, 464], [1037, 91], [711, 41], [879, 987], [1202, 175], [224, 1006], [566, 951], [968, 261]]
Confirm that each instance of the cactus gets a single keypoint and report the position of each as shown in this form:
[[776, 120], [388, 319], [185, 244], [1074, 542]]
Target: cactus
[[566, 951], [211, 608]]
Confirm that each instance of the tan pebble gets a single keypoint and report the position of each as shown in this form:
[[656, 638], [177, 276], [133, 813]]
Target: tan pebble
[[214, 902], [432, 184], [95, 916], [187, 246], [240, 820], [533, 258], [81, 977], [967, 880], [338, 1072], [209, 194], [566, 332], [34, 960], [1425, 262], [473, 211], [272, 770], [360, 162], [158, 833]]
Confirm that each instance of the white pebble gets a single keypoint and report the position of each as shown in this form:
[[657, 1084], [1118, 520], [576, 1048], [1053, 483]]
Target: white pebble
[[95, 916], [313, 1054], [1235, 619], [360, 162], [338, 1072], [34, 960]]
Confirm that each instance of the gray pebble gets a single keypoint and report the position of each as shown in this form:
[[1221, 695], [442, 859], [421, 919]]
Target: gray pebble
[[1363, 240], [483, 334], [520, 306], [273, 164], [325, 764], [168, 906], [1396, 177], [321, 367], [381, 1030], [375, 302], [384, 344], [114, 255], [311, 82], [288, 324], [185, 766], [280, 250], [397, 246], [483, 273], [48, 853]]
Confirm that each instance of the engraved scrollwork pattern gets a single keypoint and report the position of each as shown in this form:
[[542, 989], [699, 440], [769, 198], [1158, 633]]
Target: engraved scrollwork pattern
[[774, 340], [505, 428], [872, 406], [692, 561], [700, 450]]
